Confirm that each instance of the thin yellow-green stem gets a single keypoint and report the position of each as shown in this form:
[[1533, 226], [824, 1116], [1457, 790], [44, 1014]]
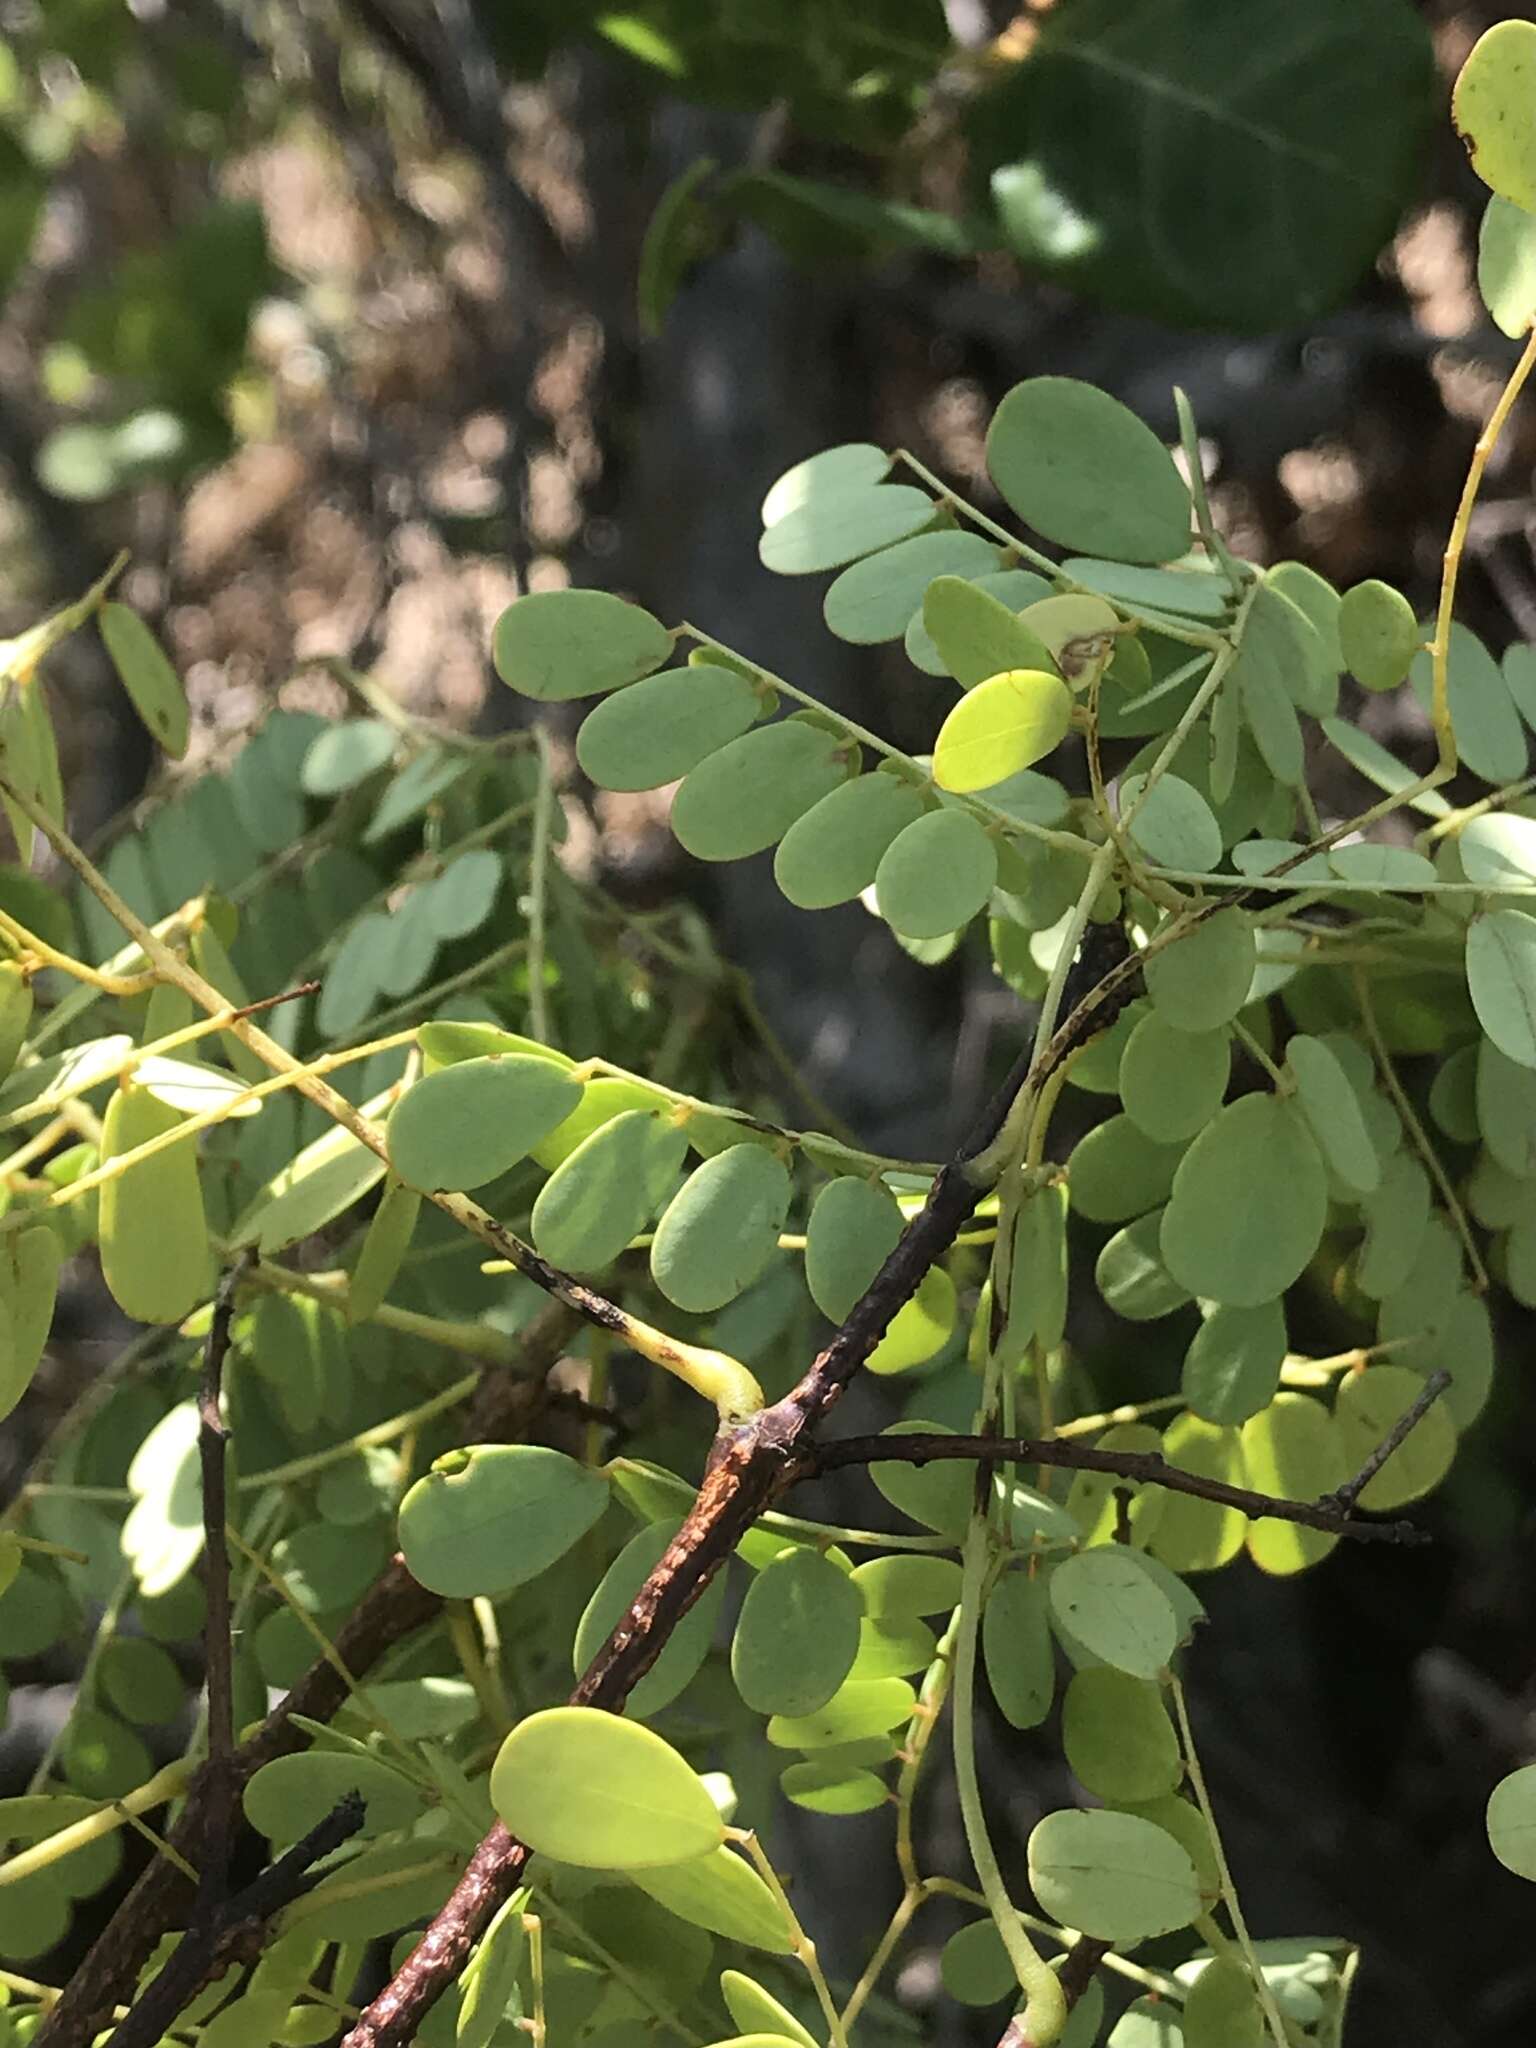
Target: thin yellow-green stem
[[804, 1947], [1067, 842], [920, 1733], [39, 1143], [715, 1375], [204, 1119], [538, 892], [466, 1647], [1341, 885], [467, 977], [357, 1691], [104, 1631], [906, 1909], [331, 1894], [1045, 2010], [1282, 1083], [1174, 630], [42, 1548], [533, 1927], [29, 1987], [484, 1612], [1194, 476], [1131, 1411], [380, 1433], [50, 956], [1160, 1981], [165, 1784], [176, 924], [1265, 1996], [1453, 821], [481, 1341], [1422, 1142], [1440, 646]]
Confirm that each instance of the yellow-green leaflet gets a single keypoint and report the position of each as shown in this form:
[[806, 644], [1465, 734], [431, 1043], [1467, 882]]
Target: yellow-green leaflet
[[384, 1249], [724, 1893], [15, 1013], [590, 1788], [147, 676], [1006, 723], [155, 1255], [753, 2008], [29, 1286], [1491, 106], [1378, 634]]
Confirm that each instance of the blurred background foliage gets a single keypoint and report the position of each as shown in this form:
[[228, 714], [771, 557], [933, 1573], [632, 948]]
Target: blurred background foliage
[[352, 318]]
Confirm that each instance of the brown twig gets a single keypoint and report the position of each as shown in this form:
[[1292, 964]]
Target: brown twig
[[234, 1928], [212, 1442], [1335, 1512], [394, 1607], [1349, 1493], [751, 1465], [288, 995], [1082, 1959]]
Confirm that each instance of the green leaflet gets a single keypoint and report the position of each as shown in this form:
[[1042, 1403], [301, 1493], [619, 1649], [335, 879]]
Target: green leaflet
[[591, 1788], [153, 686], [721, 1228], [1501, 975], [1489, 737], [1118, 1738], [830, 853], [976, 633], [1112, 1875], [1201, 980], [1512, 1821], [1368, 1404], [1084, 471], [488, 1519], [1172, 1082], [1104, 1599], [1293, 1449], [558, 644], [1248, 1205], [383, 1251], [1016, 1647], [826, 529], [873, 600], [797, 1636], [1491, 108], [746, 795], [689, 1642], [605, 1192], [853, 465], [657, 730], [756, 2011], [1198, 1535], [935, 875], [1506, 265], [285, 1798], [466, 1124], [1232, 1366], [155, 1253], [1378, 634], [853, 1229], [723, 1893], [1005, 724], [1172, 826]]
